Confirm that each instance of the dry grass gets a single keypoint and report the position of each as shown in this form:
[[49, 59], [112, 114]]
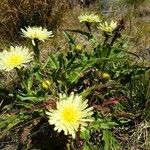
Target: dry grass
[[20, 13]]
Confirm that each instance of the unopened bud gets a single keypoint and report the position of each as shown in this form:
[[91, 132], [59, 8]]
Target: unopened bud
[[46, 84], [79, 47], [105, 75]]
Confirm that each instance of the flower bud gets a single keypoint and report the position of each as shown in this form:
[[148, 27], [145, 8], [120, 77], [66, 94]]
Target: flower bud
[[46, 84], [105, 76], [79, 47]]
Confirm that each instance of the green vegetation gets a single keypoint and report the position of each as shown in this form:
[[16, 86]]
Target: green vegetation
[[102, 61]]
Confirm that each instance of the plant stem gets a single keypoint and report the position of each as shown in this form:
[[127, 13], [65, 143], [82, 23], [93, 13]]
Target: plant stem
[[36, 50], [109, 50], [20, 76]]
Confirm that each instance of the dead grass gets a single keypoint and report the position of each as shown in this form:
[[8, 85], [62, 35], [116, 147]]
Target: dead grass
[[20, 13]]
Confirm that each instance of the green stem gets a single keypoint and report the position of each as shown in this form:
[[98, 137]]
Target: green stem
[[106, 38], [20, 76], [109, 50], [88, 25], [36, 50]]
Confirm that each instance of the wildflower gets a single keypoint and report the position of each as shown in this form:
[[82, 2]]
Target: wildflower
[[17, 57], [90, 18], [70, 114], [37, 33], [46, 84], [108, 28]]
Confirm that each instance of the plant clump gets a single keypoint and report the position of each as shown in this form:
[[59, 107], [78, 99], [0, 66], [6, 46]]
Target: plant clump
[[75, 98]]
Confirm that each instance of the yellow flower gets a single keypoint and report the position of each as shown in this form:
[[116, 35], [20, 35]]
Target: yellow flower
[[17, 57], [46, 84], [71, 113], [89, 18], [106, 27], [37, 33]]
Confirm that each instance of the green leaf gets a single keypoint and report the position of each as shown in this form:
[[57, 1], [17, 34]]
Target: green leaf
[[89, 90], [30, 83], [8, 121], [53, 62], [105, 123], [74, 75], [106, 138], [110, 141], [62, 60], [30, 98], [108, 125], [46, 62], [123, 121], [85, 135], [24, 104], [86, 147], [69, 38]]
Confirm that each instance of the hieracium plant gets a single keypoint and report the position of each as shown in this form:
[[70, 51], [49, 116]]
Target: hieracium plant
[[75, 91]]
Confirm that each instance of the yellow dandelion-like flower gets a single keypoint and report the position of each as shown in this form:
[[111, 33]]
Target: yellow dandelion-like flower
[[106, 27], [91, 18], [71, 113], [39, 33], [17, 57]]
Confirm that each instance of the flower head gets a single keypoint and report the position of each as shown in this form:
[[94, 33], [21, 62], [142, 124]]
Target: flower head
[[89, 18], [71, 113], [37, 33], [17, 57], [108, 28]]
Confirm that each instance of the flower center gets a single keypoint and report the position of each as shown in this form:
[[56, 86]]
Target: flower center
[[70, 115], [14, 60]]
